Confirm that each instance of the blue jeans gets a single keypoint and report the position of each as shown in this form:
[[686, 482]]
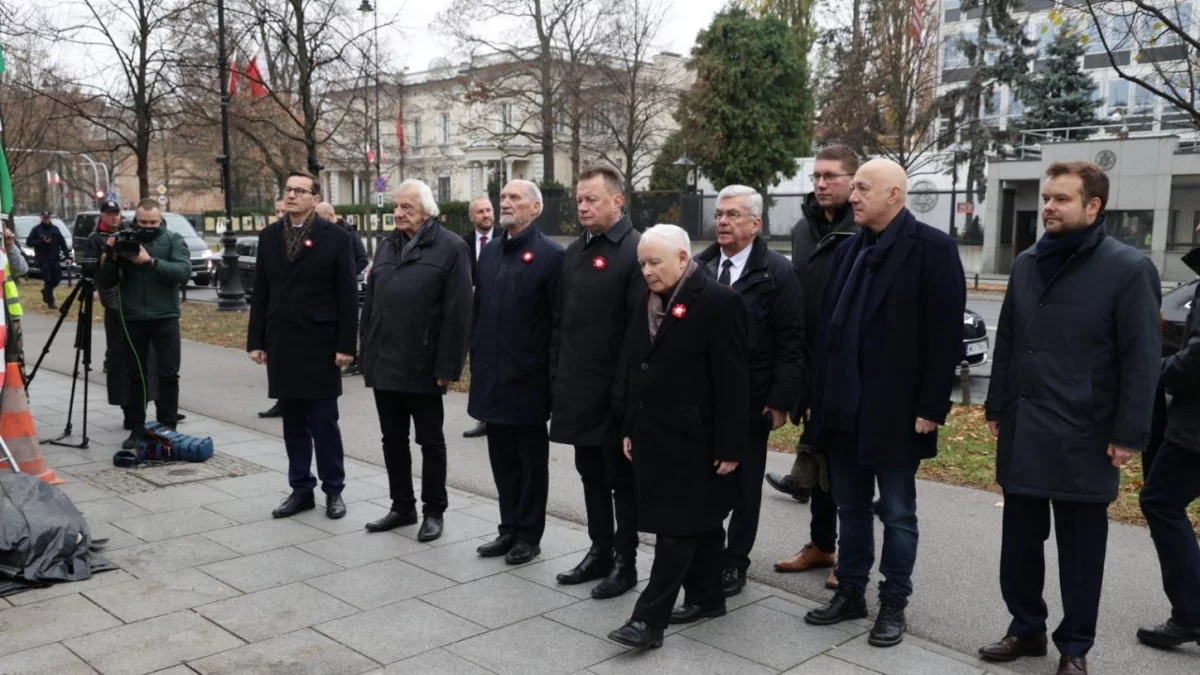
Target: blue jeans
[[853, 488]]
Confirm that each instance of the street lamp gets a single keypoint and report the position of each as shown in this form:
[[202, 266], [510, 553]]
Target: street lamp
[[688, 165], [366, 8], [231, 297]]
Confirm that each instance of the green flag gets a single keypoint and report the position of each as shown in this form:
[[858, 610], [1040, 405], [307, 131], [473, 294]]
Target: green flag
[[6, 193]]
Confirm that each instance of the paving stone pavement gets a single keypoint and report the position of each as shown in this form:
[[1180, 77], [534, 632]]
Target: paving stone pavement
[[210, 583]]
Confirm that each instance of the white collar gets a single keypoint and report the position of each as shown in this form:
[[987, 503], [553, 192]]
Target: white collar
[[739, 259]]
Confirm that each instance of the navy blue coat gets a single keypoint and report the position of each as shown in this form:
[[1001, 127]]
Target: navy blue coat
[[911, 345], [515, 288]]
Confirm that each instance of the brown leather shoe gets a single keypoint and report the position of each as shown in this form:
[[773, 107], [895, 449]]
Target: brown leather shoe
[[1012, 648], [809, 558], [832, 582], [1072, 665]]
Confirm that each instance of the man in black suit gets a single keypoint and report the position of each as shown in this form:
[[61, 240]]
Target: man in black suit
[[685, 394], [303, 325], [482, 217]]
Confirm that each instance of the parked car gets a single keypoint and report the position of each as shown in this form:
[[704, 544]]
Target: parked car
[[1175, 307], [976, 346], [203, 260], [247, 250], [22, 226]]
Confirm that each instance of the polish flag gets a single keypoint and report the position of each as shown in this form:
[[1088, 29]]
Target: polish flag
[[234, 77], [258, 86]]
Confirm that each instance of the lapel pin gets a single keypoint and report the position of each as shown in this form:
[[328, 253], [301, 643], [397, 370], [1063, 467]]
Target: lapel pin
[[599, 262], [527, 256], [308, 243], [679, 311]]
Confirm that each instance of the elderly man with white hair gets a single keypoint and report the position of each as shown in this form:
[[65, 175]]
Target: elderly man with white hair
[[765, 279], [416, 323], [685, 395], [516, 283]]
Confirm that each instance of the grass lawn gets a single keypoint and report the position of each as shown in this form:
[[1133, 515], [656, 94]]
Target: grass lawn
[[967, 457]]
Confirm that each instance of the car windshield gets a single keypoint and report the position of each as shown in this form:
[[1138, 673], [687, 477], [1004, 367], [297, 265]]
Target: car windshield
[[23, 225]]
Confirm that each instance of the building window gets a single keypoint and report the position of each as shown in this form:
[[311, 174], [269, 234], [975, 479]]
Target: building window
[[1016, 109], [1044, 35], [952, 54], [1118, 96], [951, 5], [443, 192], [414, 136], [1135, 228], [444, 123], [991, 104], [506, 118], [1142, 101]]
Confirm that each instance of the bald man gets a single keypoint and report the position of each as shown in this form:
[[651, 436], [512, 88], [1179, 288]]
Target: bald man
[[889, 339]]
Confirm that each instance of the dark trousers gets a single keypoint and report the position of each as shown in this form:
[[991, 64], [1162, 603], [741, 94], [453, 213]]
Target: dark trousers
[[1174, 483], [747, 504], [1081, 530], [520, 458], [824, 512], [607, 477], [425, 411], [854, 491], [164, 335], [692, 563], [51, 271], [310, 425]]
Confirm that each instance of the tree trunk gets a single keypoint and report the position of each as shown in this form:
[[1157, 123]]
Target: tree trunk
[[304, 65], [547, 115]]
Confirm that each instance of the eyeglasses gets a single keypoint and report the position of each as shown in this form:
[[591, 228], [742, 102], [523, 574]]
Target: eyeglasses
[[827, 177], [728, 215], [299, 192]]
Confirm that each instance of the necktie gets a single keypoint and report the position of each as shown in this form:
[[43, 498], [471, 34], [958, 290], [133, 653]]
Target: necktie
[[725, 274], [482, 243]]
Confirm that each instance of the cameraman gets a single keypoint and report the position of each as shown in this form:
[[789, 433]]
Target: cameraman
[[146, 266]]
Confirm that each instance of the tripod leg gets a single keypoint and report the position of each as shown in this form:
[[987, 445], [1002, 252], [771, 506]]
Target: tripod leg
[[62, 316]]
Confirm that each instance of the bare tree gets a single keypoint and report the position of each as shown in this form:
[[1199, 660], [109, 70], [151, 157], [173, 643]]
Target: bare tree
[[638, 92]]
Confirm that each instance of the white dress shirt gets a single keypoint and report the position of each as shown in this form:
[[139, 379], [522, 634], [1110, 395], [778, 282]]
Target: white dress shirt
[[479, 237], [739, 264]]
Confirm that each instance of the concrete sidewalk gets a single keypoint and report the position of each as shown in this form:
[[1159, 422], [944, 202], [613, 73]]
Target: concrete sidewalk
[[210, 583], [957, 601]]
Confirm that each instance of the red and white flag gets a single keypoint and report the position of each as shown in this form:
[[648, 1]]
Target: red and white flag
[[234, 77], [258, 86]]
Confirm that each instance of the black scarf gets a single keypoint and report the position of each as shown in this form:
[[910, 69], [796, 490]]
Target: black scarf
[[1054, 252], [853, 277]]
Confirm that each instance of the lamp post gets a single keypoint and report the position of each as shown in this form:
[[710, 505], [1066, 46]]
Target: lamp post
[[365, 8], [956, 150], [688, 166], [230, 295]]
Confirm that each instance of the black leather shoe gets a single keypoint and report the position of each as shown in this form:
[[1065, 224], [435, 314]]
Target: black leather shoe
[[782, 483], [392, 520], [1168, 635], [622, 579], [733, 581], [686, 613], [479, 431], [847, 603], [595, 565], [431, 528], [521, 553], [802, 495], [295, 503], [131, 442], [352, 370], [1012, 648], [334, 507], [637, 634], [273, 411], [889, 626], [497, 547], [1072, 665]]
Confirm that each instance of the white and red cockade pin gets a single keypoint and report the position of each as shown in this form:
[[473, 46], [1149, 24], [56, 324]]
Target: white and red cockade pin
[[679, 311], [308, 243], [599, 262], [527, 256]]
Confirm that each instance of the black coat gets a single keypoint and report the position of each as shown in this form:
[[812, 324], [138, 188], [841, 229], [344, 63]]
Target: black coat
[[775, 337], [360, 251], [1181, 377], [416, 321], [48, 243], [685, 397], [469, 237], [911, 344], [600, 286], [510, 345], [1075, 368], [304, 312], [814, 240]]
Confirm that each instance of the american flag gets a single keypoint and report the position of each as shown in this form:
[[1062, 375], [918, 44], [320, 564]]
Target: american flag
[[916, 21]]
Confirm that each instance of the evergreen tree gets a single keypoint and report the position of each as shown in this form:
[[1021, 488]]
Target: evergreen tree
[[1060, 95]]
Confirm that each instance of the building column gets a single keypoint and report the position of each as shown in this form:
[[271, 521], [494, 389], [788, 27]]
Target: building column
[[992, 219], [1162, 225]]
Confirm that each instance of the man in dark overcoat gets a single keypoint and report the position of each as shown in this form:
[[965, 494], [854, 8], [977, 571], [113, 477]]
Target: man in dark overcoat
[[510, 368], [1077, 358], [416, 326], [888, 343], [774, 354], [483, 230], [303, 325], [598, 291], [685, 393], [827, 220], [1173, 482], [49, 248]]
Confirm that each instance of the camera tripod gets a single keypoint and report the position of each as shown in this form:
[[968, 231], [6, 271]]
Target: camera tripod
[[83, 355]]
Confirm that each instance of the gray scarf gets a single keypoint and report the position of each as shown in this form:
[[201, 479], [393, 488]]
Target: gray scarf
[[655, 310]]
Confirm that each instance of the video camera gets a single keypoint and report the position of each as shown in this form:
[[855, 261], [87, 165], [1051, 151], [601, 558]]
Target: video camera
[[131, 238]]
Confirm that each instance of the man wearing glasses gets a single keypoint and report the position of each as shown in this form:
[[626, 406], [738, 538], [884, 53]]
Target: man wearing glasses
[[303, 326], [147, 287]]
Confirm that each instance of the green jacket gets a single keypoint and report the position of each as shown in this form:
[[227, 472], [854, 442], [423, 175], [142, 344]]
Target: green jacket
[[149, 292]]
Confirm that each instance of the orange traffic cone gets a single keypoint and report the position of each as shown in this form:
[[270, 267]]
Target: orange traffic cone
[[18, 430]]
